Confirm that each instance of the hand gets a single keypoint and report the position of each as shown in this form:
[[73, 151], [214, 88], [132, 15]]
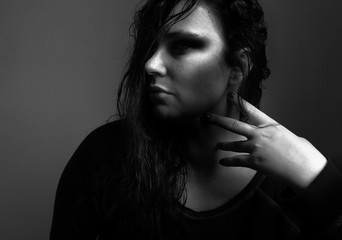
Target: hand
[[270, 147]]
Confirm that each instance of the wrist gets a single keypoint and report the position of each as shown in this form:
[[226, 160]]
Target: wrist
[[308, 173]]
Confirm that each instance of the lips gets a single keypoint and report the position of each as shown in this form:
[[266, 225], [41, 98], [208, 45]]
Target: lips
[[157, 89]]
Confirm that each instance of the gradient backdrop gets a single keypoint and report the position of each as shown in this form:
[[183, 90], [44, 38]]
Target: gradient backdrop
[[60, 64]]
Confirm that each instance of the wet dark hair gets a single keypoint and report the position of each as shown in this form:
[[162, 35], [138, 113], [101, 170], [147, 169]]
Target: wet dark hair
[[153, 172], [245, 29]]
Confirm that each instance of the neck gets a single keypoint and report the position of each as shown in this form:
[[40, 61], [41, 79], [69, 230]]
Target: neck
[[202, 140], [209, 184]]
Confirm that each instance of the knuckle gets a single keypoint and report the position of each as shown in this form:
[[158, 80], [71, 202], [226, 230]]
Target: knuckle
[[255, 148], [234, 124], [255, 162], [272, 132]]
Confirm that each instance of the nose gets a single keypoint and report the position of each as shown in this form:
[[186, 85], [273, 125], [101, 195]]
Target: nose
[[155, 65]]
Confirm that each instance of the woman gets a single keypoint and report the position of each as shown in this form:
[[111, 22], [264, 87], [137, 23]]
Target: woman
[[192, 156]]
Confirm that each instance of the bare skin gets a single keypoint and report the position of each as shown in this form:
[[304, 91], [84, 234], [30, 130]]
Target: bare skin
[[189, 77], [189, 68], [267, 147], [271, 148]]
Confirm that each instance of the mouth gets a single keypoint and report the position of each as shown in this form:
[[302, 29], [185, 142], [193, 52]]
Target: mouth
[[154, 89]]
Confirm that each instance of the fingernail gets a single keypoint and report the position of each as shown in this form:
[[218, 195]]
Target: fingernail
[[222, 162], [219, 145], [231, 95], [205, 118]]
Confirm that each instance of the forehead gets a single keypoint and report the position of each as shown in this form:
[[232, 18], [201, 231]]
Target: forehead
[[201, 21]]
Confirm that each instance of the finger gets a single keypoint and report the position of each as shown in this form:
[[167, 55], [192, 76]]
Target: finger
[[230, 124], [238, 146], [255, 116], [238, 161]]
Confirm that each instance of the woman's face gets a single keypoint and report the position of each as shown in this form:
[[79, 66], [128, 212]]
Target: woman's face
[[189, 75]]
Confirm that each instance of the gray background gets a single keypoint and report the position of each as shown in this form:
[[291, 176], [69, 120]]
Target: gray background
[[60, 63]]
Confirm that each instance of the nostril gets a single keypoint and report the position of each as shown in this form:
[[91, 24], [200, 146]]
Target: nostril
[[149, 68], [155, 65]]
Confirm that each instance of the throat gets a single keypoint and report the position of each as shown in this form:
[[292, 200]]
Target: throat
[[210, 185], [207, 192]]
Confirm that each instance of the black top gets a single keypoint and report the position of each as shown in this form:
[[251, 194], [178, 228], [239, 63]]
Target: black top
[[265, 209]]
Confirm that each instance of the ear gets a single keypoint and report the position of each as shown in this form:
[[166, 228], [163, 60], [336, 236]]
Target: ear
[[240, 69]]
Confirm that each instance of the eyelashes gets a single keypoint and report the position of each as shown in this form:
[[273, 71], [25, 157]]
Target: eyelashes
[[182, 46]]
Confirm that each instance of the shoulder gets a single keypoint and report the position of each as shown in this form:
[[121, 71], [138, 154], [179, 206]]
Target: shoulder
[[77, 198], [107, 137], [101, 147], [112, 132]]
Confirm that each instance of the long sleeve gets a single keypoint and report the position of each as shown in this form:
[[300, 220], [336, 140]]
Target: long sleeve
[[319, 207], [74, 216], [79, 212]]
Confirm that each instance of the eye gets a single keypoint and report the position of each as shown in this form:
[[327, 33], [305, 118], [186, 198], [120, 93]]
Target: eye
[[180, 47]]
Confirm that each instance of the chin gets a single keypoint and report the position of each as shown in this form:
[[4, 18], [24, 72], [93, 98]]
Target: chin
[[179, 119], [165, 116]]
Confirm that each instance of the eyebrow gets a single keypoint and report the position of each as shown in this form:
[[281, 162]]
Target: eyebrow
[[181, 34]]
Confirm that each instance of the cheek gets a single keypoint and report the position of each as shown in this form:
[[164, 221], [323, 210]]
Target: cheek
[[201, 85], [208, 77]]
